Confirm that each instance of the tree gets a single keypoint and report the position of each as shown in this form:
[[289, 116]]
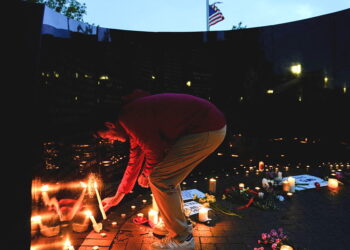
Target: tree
[[239, 26], [70, 8]]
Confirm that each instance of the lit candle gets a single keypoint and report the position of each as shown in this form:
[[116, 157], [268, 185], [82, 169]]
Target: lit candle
[[133, 207], [212, 185], [153, 217], [144, 201], [103, 234], [257, 188], [261, 195], [140, 215], [286, 247], [291, 182], [332, 183], [123, 215], [261, 166], [68, 245], [289, 195], [100, 202], [203, 214], [285, 186], [95, 247], [154, 204], [241, 185], [114, 224], [92, 218], [44, 194]]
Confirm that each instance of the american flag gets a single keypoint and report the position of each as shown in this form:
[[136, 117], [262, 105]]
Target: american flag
[[215, 15]]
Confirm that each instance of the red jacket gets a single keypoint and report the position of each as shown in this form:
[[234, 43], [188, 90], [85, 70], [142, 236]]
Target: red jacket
[[155, 122]]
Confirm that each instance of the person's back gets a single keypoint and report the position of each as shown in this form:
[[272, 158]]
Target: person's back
[[171, 115]]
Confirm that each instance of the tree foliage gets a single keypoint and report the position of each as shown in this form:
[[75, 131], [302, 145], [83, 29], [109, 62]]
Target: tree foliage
[[70, 8], [238, 27]]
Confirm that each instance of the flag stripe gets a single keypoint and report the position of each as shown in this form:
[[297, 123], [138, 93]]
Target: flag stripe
[[215, 15]]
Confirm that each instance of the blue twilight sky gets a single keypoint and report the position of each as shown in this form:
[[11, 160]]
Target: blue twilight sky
[[190, 15]]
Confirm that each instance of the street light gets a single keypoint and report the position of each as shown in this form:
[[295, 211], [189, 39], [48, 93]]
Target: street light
[[296, 69]]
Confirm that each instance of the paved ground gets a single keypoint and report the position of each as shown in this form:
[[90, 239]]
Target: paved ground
[[314, 219]]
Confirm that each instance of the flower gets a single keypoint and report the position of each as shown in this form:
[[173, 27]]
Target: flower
[[263, 236], [273, 246], [273, 233]]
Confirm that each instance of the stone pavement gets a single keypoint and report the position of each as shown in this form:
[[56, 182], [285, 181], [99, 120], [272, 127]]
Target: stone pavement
[[314, 219]]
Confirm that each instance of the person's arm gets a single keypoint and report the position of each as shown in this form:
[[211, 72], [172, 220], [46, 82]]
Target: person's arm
[[136, 159]]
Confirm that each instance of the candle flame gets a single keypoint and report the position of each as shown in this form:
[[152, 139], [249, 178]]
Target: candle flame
[[36, 218], [45, 188], [88, 213], [67, 243], [83, 184]]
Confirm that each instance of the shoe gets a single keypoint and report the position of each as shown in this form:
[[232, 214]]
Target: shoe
[[170, 243], [160, 229]]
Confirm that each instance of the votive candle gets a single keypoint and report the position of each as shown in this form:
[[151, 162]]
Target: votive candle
[[332, 183], [285, 186], [291, 182], [203, 214], [212, 185]]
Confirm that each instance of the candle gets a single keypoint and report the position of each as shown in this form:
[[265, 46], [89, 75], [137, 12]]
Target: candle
[[265, 183], [203, 214], [212, 185], [95, 247], [289, 195], [103, 234], [44, 194], [291, 182], [257, 188], [279, 175], [286, 247], [261, 166], [92, 218], [261, 195], [123, 215], [68, 245], [241, 185], [285, 186], [144, 201], [140, 215], [153, 217], [133, 207], [332, 183], [114, 224], [100, 202], [154, 204]]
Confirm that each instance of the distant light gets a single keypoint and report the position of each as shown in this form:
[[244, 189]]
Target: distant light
[[188, 83], [344, 90], [241, 98], [300, 98], [235, 156], [57, 75], [153, 77], [296, 69], [104, 77], [76, 98], [325, 79], [269, 91], [220, 154], [76, 75]]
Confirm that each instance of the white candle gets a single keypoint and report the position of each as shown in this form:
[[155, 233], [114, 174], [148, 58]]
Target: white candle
[[133, 207], [44, 194], [212, 185], [144, 201], [241, 185], [289, 195], [68, 245], [285, 186], [332, 183], [261, 166], [153, 216], [92, 218], [154, 204], [114, 224], [203, 214], [261, 195], [123, 215], [291, 182], [100, 202], [286, 247], [279, 175], [265, 183]]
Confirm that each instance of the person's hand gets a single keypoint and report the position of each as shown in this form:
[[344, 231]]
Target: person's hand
[[112, 201], [143, 181]]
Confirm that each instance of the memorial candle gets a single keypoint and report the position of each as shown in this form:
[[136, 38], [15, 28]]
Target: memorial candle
[[212, 185], [261, 166], [100, 202], [332, 183], [203, 214], [92, 218], [153, 217], [291, 182], [286, 247], [285, 186]]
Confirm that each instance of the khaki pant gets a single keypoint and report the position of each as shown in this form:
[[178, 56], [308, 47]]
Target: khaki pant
[[166, 177]]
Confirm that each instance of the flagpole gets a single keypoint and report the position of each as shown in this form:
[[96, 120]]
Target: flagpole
[[207, 8]]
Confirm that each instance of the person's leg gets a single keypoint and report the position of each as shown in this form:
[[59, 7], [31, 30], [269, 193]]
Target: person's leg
[[166, 177]]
